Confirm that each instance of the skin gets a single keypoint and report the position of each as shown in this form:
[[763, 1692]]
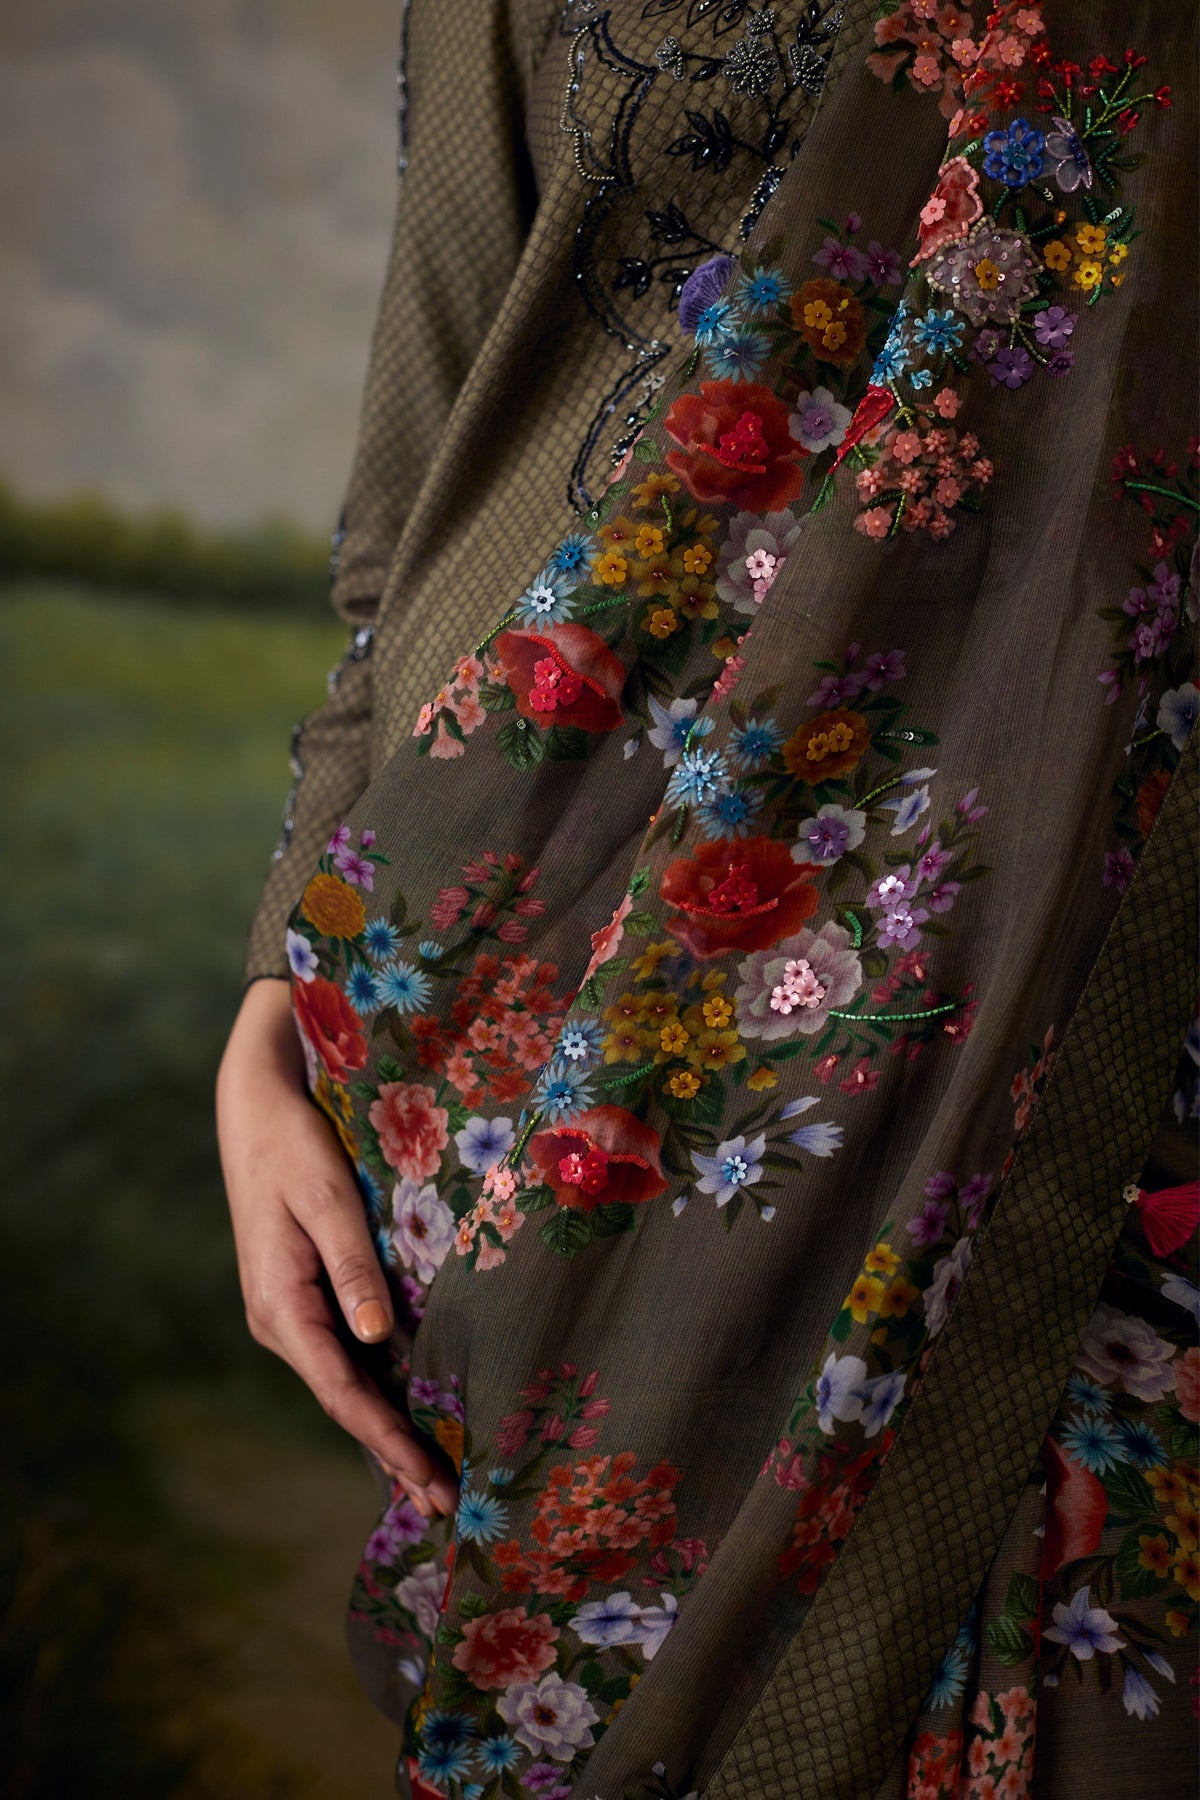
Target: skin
[[301, 1236]]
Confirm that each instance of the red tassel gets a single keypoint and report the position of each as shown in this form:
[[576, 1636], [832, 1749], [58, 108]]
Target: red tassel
[[1169, 1216], [871, 410]]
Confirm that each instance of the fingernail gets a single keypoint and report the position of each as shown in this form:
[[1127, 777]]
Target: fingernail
[[371, 1321]]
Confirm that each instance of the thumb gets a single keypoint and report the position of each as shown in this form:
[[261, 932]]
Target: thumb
[[334, 1219]]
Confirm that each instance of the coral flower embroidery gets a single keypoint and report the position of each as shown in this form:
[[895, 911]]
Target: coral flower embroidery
[[553, 686]]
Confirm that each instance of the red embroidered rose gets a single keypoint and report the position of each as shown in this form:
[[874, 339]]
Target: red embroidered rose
[[602, 1156], [413, 1132], [735, 445], [564, 675], [1076, 1509], [331, 1025], [950, 210], [507, 1646], [739, 895]]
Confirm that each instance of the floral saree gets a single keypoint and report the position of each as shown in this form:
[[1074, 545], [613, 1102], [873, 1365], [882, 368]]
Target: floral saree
[[755, 997]]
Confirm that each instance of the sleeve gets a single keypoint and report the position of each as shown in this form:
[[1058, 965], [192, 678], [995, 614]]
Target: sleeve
[[466, 191]]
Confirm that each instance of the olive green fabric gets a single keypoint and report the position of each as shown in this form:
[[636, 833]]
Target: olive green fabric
[[999, 1366]]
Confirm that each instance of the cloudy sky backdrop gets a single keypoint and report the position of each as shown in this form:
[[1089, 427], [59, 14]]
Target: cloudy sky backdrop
[[196, 197]]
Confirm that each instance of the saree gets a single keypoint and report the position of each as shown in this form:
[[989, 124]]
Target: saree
[[755, 993]]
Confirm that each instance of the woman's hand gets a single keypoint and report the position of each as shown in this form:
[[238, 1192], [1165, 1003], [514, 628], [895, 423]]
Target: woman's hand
[[297, 1215]]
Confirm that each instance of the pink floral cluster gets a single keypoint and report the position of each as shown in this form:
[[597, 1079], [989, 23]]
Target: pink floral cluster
[[922, 471], [455, 710], [937, 46], [497, 1207]]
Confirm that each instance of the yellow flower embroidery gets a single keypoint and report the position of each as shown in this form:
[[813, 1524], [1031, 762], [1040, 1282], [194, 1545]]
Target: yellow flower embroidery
[[864, 1297], [1057, 255], [662, 622], [611, 569], [696, 558], [684, 1085], [673, 1038], [762, 1079], [987, 274], [717, 1011], [882, 1260], [1091, 240], [650, 541], [1088, 276]]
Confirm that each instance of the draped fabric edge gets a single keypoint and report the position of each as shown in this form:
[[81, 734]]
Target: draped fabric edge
[[833, 1714]]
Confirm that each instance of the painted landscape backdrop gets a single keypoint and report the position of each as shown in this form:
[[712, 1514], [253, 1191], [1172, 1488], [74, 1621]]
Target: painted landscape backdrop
[[196, 202]]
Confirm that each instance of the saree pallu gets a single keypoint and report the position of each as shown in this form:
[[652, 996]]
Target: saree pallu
[[756, 998]]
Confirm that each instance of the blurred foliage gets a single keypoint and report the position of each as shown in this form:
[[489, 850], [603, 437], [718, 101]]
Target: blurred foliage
[[145, 751], [87, 538]]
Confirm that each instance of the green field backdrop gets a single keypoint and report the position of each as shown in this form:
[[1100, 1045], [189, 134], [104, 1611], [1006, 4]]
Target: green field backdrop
[[178, 1523]]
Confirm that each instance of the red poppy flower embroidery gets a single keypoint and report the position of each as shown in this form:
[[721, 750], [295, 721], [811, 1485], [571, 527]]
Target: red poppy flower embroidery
[[604, 1155], [738, 896], [566, 675], [735, 445]]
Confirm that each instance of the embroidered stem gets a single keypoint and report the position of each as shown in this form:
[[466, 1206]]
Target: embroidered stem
[[494, 633], [518, 1150], [931, 1012], [875, 792], [623, 1081], [1150, 487]]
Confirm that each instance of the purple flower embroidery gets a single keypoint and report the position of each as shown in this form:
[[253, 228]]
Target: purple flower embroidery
[[1053, 327], [843, 261], [355, 869], [1012, 367], [933, 862], [702, 287], [1061, 363], [882, 266], [902, 925], [930, 1223], [944, 895], [1118, 869], [835, 690], [884, 665]]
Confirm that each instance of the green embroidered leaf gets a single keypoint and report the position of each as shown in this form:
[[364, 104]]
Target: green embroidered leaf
[[705, 1109], [874, 964], [1133, 1578], [495, 697], [567, 1232], [1128, 1495], [640, 924], [640, 882], [471, 1606], [1184, 1443], [1021, 1601], [397, 914], [388, 1069], [839, 1331], [765, 699], [645, 450], [610, 1220], [536, 1199], [521, 743], [591, 1676], [566, 743], [1009, 1641]]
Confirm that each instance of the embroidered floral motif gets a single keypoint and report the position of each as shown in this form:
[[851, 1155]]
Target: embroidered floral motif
[[565, 1580]]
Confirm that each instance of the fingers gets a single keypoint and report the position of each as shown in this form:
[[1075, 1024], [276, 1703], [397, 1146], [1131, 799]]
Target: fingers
[[353, 1401], [331, 1212]]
